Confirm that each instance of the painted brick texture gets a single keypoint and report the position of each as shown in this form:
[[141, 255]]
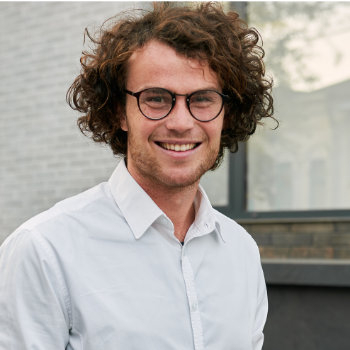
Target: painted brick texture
[[312, 240], [43, 156]]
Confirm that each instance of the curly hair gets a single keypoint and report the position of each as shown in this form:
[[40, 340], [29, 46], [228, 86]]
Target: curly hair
[[204, 32]]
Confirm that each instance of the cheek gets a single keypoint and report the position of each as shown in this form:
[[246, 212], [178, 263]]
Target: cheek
[[139, 128]]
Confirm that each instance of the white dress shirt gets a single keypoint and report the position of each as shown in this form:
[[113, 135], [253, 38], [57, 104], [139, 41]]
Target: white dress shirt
[[103, 271]]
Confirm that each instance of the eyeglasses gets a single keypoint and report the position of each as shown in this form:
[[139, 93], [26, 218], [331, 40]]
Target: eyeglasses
[[157, 103]]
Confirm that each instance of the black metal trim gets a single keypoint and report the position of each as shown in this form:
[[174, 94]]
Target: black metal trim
[[307, 273]]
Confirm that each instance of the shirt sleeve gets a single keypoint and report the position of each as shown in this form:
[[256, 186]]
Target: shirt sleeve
[[261, 309], [33, 300]]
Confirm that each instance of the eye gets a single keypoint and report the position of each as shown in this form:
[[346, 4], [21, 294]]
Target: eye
[[204, 98], [201, 98], [156, 97]]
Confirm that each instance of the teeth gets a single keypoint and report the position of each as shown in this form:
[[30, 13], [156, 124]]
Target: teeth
[[177, 147]]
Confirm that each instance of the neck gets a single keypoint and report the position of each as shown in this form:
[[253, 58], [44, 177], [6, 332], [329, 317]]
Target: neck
[[178, 205], [180, 209]]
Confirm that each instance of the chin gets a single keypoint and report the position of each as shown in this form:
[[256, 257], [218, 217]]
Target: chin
[[180, 180]]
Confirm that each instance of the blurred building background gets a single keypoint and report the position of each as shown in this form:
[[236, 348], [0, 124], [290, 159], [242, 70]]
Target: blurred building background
[[290, 188]]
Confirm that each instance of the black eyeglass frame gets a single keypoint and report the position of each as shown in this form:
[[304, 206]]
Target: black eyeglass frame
[[137, 94]]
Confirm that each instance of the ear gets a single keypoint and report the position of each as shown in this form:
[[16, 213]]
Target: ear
[[123, 122], [121, 113]]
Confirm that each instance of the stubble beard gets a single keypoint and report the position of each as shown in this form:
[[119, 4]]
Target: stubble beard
[[151, 171]]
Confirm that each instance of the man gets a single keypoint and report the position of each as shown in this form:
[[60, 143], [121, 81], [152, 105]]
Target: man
[[143, 261]]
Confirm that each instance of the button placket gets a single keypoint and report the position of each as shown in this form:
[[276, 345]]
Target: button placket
[[193, 303]]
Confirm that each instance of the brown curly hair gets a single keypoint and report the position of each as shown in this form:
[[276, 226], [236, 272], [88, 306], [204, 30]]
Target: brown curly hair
[[203, 32]]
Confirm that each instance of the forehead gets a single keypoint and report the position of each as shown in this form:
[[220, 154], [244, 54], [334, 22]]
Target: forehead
[[158, 64]]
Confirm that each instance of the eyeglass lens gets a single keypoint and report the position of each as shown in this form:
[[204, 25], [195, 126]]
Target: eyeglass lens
[[156, 103]]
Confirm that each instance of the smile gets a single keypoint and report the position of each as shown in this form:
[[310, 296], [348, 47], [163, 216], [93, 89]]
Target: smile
[[177, 147]]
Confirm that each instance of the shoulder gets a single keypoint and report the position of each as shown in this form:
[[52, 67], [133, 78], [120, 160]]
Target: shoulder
[[233, 232], [70, 216], [72, 206], [242, 248]]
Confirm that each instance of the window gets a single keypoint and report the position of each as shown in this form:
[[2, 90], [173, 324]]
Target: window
[[303, 168]]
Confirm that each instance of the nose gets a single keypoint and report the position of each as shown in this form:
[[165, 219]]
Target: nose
[[180, 118]]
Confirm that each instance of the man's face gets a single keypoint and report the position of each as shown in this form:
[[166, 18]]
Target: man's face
[[151, 156]]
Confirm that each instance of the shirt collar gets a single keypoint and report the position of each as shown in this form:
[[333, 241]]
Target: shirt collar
[[136, 205], [206, 219], [140, 211]]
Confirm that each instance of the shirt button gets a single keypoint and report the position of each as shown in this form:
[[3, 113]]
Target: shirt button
[[194, 307]]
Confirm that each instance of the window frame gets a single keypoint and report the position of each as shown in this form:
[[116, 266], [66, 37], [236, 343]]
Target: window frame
[[238, 189]]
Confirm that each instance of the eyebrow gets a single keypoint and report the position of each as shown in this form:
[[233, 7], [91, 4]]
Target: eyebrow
[[218, 89]]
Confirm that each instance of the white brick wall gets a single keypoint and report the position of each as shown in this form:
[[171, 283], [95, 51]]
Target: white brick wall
[[43, 156]]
